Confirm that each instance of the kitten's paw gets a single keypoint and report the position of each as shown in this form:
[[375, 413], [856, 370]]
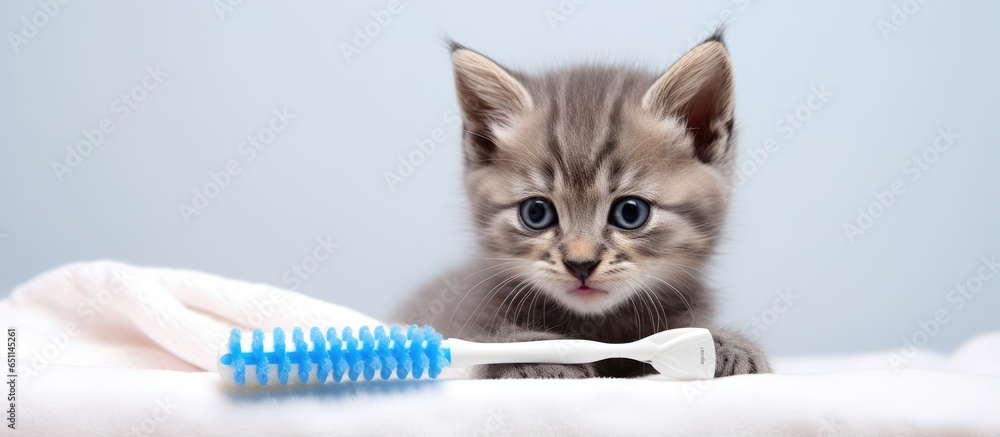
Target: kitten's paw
[[738, 355], [535, 371]]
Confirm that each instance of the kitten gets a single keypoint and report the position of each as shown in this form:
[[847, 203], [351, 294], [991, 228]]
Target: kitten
[[598, 194]]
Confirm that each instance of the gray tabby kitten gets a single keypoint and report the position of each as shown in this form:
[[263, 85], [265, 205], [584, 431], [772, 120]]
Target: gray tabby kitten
[[598, 195]]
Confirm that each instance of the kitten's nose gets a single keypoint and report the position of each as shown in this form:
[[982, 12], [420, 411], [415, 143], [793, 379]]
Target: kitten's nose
[[581, 269]]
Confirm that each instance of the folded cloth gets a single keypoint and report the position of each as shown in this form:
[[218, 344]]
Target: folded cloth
[[107, 348]]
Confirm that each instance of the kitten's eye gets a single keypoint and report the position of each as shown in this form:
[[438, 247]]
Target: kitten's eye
[[629, 213], [538, 213]]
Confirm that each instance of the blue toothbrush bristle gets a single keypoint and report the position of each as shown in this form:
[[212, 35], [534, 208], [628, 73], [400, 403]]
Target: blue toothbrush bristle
[[352, 356], [411, 351], [301, 354], [384, 352], [368, 356], [235, 350], [319, 348], [403, 362], [284, 362], [416, 336], [259, 357], [336, 355], [436, 360]]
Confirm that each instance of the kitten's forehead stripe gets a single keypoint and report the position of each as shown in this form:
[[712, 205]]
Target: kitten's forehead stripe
[[614, 120], [581, 115], [586, 113], [552, 141], [615, 169]]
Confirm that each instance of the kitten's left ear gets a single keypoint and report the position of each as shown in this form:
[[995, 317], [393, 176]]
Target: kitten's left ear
[[698, 89]]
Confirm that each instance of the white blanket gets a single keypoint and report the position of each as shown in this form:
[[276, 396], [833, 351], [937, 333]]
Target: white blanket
[[109, 349]]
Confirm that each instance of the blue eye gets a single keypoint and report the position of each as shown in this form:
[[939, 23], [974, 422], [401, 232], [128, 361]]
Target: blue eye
[[629, 213], [538, 213]]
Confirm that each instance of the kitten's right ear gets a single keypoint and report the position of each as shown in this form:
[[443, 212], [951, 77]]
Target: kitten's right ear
[[490, 98]]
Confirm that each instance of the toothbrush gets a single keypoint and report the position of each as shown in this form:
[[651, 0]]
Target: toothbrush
[[262, 359]]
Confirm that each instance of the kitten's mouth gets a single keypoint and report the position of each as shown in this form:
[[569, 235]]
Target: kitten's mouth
[[585, 291]]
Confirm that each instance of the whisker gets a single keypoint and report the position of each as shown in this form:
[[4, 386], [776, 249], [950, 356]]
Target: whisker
[[459, 304], [512, 295], [487, 297], [676, 291]]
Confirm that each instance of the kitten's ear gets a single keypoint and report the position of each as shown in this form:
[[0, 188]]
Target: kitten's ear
[[698, 89], [490, 97]]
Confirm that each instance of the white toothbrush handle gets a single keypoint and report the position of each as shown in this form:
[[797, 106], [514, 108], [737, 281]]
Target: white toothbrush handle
[[684, 353], [469, 353]]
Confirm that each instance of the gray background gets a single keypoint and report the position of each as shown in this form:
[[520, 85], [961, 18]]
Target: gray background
[[324, 175]]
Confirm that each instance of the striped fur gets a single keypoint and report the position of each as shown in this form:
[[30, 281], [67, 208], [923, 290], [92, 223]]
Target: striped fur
[[584, 137]]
